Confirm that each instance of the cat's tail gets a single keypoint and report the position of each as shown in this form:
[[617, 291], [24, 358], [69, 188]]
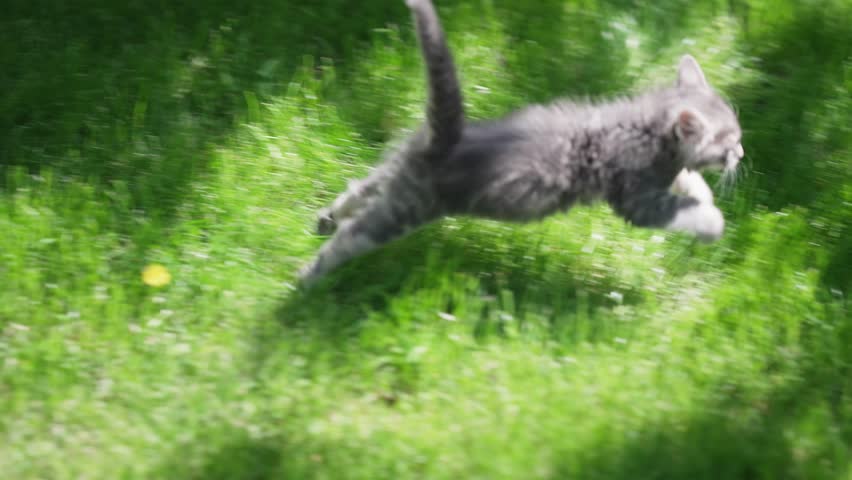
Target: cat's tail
[[444, 113]]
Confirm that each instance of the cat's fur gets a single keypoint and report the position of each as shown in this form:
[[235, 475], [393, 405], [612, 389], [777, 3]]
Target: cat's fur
[[632, 153]]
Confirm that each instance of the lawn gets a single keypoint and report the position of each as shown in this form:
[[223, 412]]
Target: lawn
[[203, 135]]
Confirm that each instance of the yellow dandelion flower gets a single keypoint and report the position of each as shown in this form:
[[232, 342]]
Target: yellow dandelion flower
[[156, 275]]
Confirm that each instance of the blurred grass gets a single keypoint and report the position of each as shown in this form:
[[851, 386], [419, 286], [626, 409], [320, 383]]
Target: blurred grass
[[202, 136]]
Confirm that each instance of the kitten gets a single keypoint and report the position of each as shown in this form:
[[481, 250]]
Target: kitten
[[632, 153]]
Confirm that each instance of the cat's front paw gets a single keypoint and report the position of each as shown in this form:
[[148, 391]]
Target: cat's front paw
[[326, 225], [692, 184], [703, 220], [712, 224]]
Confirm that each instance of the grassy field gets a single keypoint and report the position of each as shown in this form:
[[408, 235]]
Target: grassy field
[[203, 137]]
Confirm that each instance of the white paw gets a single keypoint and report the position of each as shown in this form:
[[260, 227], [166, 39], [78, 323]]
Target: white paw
[[704, 220], [692, 184], [713, 225], [698, 189]]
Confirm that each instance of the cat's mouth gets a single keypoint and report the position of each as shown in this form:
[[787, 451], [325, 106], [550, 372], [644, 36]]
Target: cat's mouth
[[727, 162], [733, 157]]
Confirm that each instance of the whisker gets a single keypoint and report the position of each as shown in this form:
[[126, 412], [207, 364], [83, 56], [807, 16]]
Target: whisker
[[745, 168], [728, 180]]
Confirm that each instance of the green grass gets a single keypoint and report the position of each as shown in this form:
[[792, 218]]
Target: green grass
[[204, 136]]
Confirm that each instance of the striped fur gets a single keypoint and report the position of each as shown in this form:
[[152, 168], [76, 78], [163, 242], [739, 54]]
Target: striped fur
[[639, 154]]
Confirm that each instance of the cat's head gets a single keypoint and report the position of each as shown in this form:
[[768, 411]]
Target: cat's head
[[706, 126]]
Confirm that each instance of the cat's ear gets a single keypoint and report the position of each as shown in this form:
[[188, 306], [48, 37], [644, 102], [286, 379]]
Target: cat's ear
[[690, 125], [689, 73]]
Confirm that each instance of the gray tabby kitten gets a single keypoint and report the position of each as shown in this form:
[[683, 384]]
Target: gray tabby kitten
[[632, 153]]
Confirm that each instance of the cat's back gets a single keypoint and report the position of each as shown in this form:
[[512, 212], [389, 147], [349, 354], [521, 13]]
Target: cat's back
[[565, 149], [539, 138], [497, 157]]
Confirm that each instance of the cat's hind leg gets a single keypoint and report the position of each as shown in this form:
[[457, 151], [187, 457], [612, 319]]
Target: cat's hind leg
[[357, 195], [360, 193], [376, 224]]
